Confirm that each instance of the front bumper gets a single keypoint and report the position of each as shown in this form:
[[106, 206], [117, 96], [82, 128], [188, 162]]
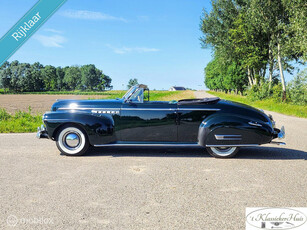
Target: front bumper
[[41, 132]]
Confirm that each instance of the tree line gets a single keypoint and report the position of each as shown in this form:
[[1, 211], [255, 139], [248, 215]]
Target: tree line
[[254, 42], [24, 77]]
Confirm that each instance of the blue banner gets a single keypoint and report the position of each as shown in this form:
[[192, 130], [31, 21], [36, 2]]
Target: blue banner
[[27, 26]]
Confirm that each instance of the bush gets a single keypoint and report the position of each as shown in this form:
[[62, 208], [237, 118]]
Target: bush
[[20, 122], [4, 115], [277, 92], [298, 88], [259, 92]]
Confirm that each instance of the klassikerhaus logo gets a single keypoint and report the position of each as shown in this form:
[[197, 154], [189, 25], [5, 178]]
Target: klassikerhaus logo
[[275, 218]]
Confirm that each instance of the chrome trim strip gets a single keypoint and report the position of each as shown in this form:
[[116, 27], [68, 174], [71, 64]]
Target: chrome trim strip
[[153, 109], [243, 145], [87, 108], [228, 137], [55, 120], [254, 124], [199, 109], [122, 144], [106, 111]]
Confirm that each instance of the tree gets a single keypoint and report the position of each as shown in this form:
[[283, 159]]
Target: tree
[[105, 82], [60, 78], [24, 77], [72, 77], [255, 34], [90, 76], [249, 47], [49, 77], [132, 82], [220, 75], [15, 71], [298, 88], [5, 75], [281, 22], [297, 15]]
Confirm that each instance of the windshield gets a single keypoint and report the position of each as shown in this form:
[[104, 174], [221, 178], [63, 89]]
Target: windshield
[[129, 92], [137, 96]]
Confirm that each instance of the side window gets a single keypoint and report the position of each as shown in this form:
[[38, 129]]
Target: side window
[[138, 96]]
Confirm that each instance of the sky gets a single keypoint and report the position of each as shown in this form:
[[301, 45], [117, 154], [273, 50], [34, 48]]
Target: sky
[[155, 41]]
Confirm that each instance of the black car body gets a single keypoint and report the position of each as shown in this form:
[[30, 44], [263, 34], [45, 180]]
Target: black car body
[[219, 125]]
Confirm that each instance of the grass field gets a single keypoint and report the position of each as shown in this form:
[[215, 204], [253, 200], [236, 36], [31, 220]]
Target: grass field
[[20, 122], [16, 117], [268, 104]]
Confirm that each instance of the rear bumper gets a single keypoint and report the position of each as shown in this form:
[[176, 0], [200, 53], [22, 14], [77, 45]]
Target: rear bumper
[[280, 134], [41, 132]]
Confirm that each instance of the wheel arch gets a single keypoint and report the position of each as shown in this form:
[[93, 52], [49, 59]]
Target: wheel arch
[[68, 124], [98, 129]]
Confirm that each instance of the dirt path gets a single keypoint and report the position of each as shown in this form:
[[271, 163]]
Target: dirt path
[[296, 128]]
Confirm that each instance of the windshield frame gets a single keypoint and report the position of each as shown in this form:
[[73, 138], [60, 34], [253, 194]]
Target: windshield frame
[[135, 89], [129, 92]]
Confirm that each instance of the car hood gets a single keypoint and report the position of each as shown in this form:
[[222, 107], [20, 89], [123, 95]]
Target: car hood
[[86, 104]]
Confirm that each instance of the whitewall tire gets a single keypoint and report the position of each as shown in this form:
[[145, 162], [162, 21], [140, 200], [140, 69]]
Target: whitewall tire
[[72, 141], [222, 152]]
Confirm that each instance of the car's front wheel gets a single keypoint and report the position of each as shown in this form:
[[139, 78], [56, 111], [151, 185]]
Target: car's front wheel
[[222, 152], [72, 141]]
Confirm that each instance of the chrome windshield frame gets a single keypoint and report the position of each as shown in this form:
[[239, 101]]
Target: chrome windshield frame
[[129, 92], [135, 89]]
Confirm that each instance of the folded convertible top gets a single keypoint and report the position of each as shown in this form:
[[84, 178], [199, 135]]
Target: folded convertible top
[[207, 100]]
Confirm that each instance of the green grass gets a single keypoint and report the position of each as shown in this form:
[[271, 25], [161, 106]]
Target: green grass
[[20, 122], [171, 95], [267, 104]]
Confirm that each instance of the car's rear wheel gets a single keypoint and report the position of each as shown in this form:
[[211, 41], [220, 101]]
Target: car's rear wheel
[[222, 152], [72, 141]]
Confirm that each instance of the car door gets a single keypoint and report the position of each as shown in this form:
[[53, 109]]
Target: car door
[[148, 122]]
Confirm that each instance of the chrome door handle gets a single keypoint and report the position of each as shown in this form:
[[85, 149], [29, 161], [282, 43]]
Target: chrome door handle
[[254, 124]]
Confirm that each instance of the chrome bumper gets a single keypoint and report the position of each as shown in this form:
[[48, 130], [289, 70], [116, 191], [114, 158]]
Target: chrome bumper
[[280, 135], [41, 132]]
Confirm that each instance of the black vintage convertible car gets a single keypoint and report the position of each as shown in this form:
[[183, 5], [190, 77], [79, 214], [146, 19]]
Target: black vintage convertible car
[[218, 125]]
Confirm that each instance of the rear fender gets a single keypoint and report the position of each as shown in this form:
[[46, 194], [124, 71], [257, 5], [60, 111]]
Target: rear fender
[[233, 130]]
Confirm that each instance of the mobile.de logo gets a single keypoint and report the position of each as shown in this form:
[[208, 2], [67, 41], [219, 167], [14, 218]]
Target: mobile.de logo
[[276, 218]]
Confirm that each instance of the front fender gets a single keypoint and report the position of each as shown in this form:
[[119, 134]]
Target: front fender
[[98, 127], [228, 129]]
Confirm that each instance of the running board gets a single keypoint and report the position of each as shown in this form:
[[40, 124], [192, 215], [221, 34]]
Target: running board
[[243, 145], [182, 145], [147, 144]]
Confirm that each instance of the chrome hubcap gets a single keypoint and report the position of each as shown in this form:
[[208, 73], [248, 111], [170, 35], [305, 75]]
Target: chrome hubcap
[[72, 140]]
